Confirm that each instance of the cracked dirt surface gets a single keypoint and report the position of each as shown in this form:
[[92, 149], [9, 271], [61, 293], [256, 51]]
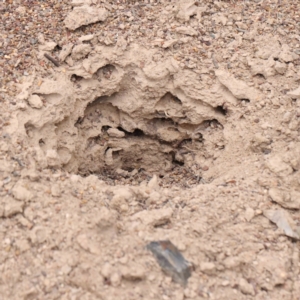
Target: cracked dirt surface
[[159, 120]]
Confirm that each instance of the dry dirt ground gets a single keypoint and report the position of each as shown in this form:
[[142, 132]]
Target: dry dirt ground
[[149, 121]]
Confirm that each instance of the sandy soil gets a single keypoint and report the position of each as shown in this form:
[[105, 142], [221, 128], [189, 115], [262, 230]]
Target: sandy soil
[[128, 122]]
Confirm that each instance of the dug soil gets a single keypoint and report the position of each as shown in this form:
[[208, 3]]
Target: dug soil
[[127, 123]]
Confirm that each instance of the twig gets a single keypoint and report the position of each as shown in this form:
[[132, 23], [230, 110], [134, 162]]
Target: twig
[[54, 61]]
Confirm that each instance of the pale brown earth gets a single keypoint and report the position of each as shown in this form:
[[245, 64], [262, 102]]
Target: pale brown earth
[[173, 120]]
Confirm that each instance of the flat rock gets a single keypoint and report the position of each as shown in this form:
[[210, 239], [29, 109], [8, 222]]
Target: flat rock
[[237, 87], [84, 15]]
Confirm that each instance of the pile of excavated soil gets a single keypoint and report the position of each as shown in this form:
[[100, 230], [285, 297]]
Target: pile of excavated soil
[[128, 122]]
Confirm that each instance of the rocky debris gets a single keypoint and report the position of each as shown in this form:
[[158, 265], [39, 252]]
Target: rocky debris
[[285, 198], [39, 235], [86, 241], [114, 132], [21, 193], [47, 46], [295, 93], [186, 30], [35, 101], [65, 51], [208, 268], [286, 55], [55, 190], [260, 143], [133, 272], [157, 217], [238, 88], [170, 43], [245, 287], [186, 9], [284, 221], [11, 207], [277, 165], [171, 260], [86, 38], [80, 51], [85, 15], [249, 214]]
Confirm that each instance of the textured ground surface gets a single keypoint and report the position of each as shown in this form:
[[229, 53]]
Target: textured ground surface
[[151, 120]]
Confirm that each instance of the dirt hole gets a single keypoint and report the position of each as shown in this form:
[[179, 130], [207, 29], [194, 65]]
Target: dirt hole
[[119, 146], [125, 133]]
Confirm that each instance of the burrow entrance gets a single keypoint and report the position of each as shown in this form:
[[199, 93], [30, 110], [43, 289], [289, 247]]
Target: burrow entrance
[[123, 126], [119, 146]]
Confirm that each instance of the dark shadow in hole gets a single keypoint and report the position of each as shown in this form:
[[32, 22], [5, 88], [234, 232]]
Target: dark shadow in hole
[[57, 48], [214, 123], [259, 75], [76, 78], [167, 222], [102, 99], [220, 109], [41, 142], [184, 142], [128, 169], [105, 128], [244, 99], [178, 163], [79, 121], [106, 149], [138, 132], [28, 128], [106, 71]]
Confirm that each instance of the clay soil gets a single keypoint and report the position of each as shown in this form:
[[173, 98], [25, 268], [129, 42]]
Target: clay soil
[[128, 122]]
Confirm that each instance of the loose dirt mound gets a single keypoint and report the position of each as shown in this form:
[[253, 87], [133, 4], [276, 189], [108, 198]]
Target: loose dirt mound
[[151, 121]]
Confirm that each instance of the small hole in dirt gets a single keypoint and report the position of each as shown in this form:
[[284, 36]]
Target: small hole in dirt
[[138, 132], [164, 224], [105, 128], [41, 142], [106, 71], [261, 76], [220, 109], [122, 129], [76, 78], [79, 121], [179, 163], [245, 100], [57, 48]]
